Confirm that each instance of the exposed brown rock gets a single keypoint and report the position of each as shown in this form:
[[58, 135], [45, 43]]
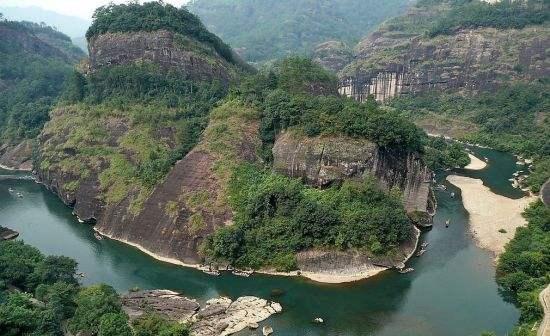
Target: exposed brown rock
[[321, 161], [390, 63], [17, 156], [159, 47]]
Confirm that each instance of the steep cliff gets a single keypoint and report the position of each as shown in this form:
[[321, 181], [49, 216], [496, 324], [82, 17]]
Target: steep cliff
[[322, 161], [405, 56], [169, 50]]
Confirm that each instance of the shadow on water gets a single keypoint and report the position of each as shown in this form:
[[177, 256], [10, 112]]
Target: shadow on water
[[452, 291]]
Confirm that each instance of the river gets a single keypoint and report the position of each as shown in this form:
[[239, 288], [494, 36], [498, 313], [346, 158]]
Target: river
[[452, 291]]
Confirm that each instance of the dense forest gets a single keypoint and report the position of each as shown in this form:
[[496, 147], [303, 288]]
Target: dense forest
[[524, 269], [41, 295], [267, 30], [31, 80]]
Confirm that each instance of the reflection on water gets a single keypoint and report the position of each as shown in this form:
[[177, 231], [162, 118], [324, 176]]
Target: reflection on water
[[452, 291]]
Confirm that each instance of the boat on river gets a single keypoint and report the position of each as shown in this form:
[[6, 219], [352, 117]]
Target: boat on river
[[406, 270], [20, 195], [98, 236], [11, 190]]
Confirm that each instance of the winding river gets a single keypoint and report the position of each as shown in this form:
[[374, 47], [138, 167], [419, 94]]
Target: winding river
[[452, 291]]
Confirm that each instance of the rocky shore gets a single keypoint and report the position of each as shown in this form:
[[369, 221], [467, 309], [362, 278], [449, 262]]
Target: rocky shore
[[218, 317]]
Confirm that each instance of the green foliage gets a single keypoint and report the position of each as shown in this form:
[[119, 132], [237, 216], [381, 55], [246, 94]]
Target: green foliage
[[93, 303], [30, 81], [523, 270], [154, 325], [153, 16], [52, 279], [294, 94], [442, 154], [154, 102], [114, 324], [502, 15], [278, 216], [274, 29], [540, 174]]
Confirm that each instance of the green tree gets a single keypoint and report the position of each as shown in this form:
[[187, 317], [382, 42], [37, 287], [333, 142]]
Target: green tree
[[114, 324], [92, 304]]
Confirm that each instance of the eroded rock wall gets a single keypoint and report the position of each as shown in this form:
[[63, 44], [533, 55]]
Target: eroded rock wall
[[169, 50], [390, 64], [321, 161]]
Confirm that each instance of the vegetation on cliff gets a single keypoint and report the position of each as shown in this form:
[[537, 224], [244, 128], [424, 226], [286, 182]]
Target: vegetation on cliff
[[523, 270], [512, 119], [135, 120], [501, 15], [297, 93], [277, 213], [151, 16], [274, 29], [38, 294], [30, 79], [277, 216]]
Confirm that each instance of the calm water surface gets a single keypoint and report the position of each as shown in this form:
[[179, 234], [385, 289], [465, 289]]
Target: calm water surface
[[452, 292]]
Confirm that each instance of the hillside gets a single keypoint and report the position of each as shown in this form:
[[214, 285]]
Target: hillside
[[148, 144], [34, 62], [474, 71], [267, 30]]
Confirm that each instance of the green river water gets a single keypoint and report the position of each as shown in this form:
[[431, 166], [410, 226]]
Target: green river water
[[452, 291]]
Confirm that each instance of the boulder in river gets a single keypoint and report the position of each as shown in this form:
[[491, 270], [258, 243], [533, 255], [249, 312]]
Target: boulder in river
[[219, 317]]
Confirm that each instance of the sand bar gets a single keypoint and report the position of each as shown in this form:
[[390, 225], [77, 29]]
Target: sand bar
[[475, 163], [490, 213]]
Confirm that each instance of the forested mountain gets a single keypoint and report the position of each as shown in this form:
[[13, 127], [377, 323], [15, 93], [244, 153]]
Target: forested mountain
[[271, 29], [466, 69], [478, 72], [34, 62], [71, 26]]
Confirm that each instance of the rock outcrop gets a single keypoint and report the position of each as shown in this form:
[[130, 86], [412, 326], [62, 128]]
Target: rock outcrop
[[18, 156], [392, 62], [219, 317], [322, 161], [169, 50]]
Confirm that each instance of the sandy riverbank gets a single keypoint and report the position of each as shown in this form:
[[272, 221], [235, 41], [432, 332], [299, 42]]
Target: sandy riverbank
[[475, 163], [490, 213], [325, 277]]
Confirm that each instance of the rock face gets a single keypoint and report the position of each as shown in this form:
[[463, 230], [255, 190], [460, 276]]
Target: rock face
[[17, 156], [390, 63], [321, 161], [347, 266], [219, 317], [169, 50], [185, 207]]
